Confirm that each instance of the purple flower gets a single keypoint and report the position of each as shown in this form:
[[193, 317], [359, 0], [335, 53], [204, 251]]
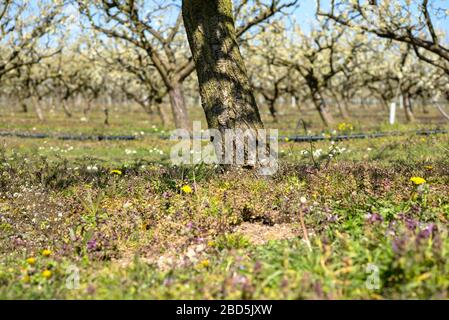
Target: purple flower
[[426, 232], [374, 217], [199, 240], [332, 218], [166, 195], [398, 245], [91, 244], [168, 281], [410, 223]]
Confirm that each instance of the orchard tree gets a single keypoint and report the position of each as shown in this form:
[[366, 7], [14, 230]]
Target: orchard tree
[[268, 79], [28, 32], [155, 28], [135, 75], [318, 58], [405, 21]]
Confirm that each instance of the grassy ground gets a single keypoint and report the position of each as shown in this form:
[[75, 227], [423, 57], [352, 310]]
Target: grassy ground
[[116, 220]]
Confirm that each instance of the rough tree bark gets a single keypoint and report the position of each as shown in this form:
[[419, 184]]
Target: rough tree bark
[[273, 110], [344, 109], [409, 116], [66, 109], [322, 108], [226, 94], [178, 106], [342, 106], [162, 114], [38, 109]]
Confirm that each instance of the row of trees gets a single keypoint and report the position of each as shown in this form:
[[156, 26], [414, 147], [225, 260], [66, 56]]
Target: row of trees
[[137, 51]]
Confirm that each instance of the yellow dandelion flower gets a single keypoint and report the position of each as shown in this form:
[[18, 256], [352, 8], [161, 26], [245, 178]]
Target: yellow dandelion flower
[[428, 167], [46, 252], [211, 243], [116, 171], [186, 189], [345, 127], [31, 261], [417, 180], [287, 139], [46, 274], [26, 278], [205, 263]]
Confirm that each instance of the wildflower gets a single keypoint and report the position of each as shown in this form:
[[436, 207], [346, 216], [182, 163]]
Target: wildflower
[[166, 195], [345, 127], [186, 189], [426, 232], [417, 180], [91, 244], [46, 253], [410, 223], [398, 245], [128, 151], [92, 168], [374, 217], [116, 171], [428, 167], [211, 243], [204, 263], [31, 261], [303, 200], [287, 139], [46, 274], [26, 278]]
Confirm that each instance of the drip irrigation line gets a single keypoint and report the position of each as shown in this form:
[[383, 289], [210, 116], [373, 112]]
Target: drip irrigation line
[[296, 138], [79, 137], [361, 136]]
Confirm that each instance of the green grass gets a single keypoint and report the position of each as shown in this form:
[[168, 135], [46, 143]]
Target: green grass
[[137, 235]]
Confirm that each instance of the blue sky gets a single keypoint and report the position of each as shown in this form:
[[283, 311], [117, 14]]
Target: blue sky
[[304, 15]]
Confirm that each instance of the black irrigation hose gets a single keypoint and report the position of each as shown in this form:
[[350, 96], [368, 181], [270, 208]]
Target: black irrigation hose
[[361, 136], [80, 137], [282, 138]]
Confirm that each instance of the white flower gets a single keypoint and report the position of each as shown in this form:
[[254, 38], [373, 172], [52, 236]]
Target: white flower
[[93, 168]]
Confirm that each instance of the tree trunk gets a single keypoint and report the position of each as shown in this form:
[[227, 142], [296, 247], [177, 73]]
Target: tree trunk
[[106, 115], [24, 107], [410, 102], [178, 107], [226, 95], [409, 116], [322, 108], [66, 108], [441, 110], [163, 115], [87, 107], [424, 106], [384, 103], [342, 107], [39, 112], [273, 110]]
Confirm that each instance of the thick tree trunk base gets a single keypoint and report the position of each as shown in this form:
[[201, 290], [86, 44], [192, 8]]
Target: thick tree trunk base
[[226, 95]]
